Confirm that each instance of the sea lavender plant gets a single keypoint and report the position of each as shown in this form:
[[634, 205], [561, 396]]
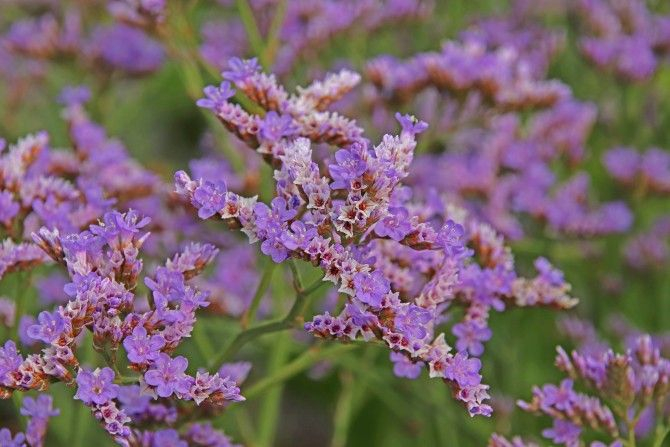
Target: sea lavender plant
[[355, 221]]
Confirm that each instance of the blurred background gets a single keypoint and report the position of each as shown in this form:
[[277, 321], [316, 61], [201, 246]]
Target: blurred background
[[610, 69]]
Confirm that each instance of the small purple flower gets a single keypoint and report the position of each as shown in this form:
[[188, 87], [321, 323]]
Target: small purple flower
[[547, 272], [8, 207], [209, 198], [470, 336], [299, 236], [412, 320], [10, 360], [216, 97], [40, 408], [141, 348], [237, 372], [349, 166], [168, 438], [395, 225], [404, 367], [167, 375], [73, 95], [275, 126], [559, 397], [411, 124], [463, 370], [96, 387], [6, 439], [50, 327], [563, 432], [241, 69], [450, 238], [371, 288]]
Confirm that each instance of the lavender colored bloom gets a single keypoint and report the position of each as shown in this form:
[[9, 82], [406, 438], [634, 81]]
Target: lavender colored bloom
[[168, 438], [10, 360], [237, 372], [126, 48], [410, 124], [74, 95], [450, 238], [209, 198], [6, 439], [50, 327], [371, 288], [8, 207], [558, 396], [299, 236], [167, 375], [470, 336], [241, 69], [622, 163], [349, 167], [215, 97], [404, 367], [395, 225], [142, 348], [24, 324], [463, 370], [96, 387], [40, 408], [412, 320], [563, 433], [275, 126]]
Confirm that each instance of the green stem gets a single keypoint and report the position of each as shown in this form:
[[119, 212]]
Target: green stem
[[343, 410], [301, 363], [270, 50], [250, 314], [660, 434], [287, 322], [251, 28], [269, 415]]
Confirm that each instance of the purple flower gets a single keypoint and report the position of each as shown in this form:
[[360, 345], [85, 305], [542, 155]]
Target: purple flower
[[8, 207], [209, 198], [395, 225], [450, 238], [470, 336], [126, 48], [40, 408], [563, 432], [6, 439], [237, 372], [622, 163], [96, 387], [547, 272], [463, 370], [404, 367], [349, 166], [241, 69], [10, 360], [216, 98], [371, 288], [167, 375], [299, 236], [73, 95], [559, 397], [411, 124], [141, 348], [411, 321], [50, 327], [168, 438], [275, 126]]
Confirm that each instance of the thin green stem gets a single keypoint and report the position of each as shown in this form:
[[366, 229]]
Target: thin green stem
[[299, 364], [343, 410], [250, 314], [269, 415], [661, 432], [251, 28], [270, 50], [288, 322]]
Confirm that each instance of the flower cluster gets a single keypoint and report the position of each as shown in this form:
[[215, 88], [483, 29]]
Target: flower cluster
[[624, 37], [39, 410], [646, 171], [104, 267], [307, 27], [628, 394], [357, 223]]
